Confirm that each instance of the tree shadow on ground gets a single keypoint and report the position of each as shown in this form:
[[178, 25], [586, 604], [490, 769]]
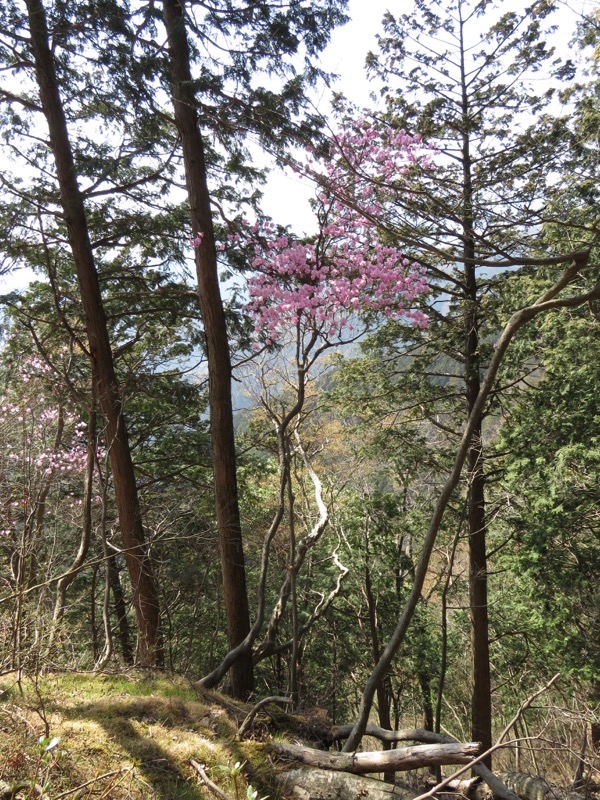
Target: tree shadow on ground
[[135, 727]]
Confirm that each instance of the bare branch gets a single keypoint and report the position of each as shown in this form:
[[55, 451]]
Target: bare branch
[[265, 701]]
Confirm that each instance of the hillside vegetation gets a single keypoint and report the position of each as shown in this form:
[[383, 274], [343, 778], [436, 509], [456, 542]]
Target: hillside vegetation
[[391, 566]]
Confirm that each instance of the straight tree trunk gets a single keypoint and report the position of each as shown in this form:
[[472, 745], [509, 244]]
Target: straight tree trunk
[[481, 697], [383, 700], [217, 346], [120, 609], [144, 587], [66, 580]]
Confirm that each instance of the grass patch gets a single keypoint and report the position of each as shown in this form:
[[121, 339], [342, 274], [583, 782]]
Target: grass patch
[[120, 737]]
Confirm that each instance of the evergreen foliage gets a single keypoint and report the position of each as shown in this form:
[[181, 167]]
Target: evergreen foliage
[[437, 219]]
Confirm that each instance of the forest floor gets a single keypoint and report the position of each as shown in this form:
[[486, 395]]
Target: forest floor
[[139, 737], [118, 737]]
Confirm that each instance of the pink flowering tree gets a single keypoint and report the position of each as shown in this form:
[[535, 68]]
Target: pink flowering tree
[[310, 295], [42, 443], [44, 464], [348, 272]]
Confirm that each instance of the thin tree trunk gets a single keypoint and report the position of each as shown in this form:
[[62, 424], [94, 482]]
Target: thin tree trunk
[[383, 704], [444, 611], [303, 546], [120, 608], [93, 626], [578, 781], [86, 531], [145, 593], [217, 346], [40, 511], [107, 652], [294, 691]]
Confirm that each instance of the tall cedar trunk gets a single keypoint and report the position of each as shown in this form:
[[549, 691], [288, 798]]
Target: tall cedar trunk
[[145, 592], [217, 345], [481, 703]]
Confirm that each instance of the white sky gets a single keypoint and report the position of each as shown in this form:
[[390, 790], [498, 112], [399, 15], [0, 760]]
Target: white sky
[[350, 44], [286, 195]]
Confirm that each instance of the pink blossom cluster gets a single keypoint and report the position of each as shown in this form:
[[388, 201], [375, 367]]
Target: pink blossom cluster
[[347, 268], [71, 461], [369, 160], [30, 443], [31, 458], [329, 282]]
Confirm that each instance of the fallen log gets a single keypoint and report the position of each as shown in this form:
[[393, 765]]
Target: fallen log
[[419, 735], [397, 760], [530, 788], [309, 783], [340, 732]]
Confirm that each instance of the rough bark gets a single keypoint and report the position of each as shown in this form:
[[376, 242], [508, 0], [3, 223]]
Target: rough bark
[[318, 784], [145, 592], [217, 345], [396, 760]]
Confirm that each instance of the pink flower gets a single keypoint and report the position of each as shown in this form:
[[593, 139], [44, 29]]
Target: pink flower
[[197, 240], [348, 268]]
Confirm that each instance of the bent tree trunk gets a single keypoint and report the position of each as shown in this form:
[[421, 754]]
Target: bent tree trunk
[[549, 301], [144, 587], [217, 346]]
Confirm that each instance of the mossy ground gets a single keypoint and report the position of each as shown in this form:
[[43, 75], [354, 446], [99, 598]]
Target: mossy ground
[[120, 737]]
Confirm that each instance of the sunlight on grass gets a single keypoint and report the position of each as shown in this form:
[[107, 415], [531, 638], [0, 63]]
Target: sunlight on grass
[[131, 737]]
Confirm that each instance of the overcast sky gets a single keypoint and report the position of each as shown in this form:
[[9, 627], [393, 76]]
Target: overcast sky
[[286, 196], [350, 44]]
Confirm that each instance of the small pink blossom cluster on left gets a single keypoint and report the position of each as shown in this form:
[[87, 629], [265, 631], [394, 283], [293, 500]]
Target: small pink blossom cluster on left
[[42, 446]]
